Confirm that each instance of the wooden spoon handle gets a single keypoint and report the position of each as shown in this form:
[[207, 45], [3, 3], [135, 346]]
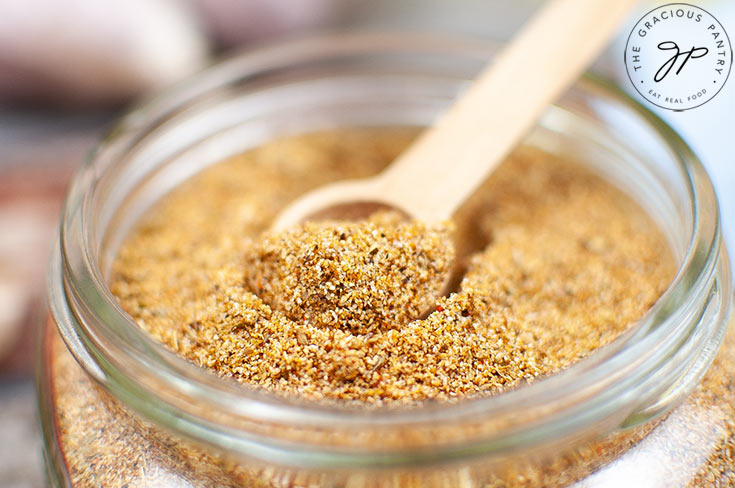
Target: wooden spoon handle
[[450, 160]]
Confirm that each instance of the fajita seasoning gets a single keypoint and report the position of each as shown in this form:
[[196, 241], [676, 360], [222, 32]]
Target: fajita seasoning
[[549, 263], [554, 263]]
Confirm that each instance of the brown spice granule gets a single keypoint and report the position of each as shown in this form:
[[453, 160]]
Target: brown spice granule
[[565, 264], [380, 273]]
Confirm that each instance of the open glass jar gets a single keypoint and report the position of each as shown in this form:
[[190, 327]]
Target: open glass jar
[[128, 412]]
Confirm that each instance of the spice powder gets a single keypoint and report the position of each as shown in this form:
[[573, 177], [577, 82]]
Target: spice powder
[[554, 263]]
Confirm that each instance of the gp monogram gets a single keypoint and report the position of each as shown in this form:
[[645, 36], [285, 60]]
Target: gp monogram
[[678, 56]]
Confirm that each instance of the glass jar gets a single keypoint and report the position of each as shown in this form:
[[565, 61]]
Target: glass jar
[[648, 409]]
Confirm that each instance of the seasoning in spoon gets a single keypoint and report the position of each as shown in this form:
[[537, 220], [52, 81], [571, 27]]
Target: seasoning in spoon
[[380, 273]]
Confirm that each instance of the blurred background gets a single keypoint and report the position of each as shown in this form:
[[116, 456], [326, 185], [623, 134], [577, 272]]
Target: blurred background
[[68, 69]]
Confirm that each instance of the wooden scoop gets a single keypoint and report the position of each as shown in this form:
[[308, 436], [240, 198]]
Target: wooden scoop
[[431, 179]]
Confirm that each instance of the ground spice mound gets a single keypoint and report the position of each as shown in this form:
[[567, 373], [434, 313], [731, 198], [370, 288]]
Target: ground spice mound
[[556, 264], [378, 273], [243, 337]]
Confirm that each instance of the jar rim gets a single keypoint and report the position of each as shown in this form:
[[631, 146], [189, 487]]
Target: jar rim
[[95, 327]]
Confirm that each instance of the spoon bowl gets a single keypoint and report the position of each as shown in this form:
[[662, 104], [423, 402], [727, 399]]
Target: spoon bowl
[[343, 200]]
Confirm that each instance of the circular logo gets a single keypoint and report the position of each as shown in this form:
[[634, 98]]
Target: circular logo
[[678, 56]]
